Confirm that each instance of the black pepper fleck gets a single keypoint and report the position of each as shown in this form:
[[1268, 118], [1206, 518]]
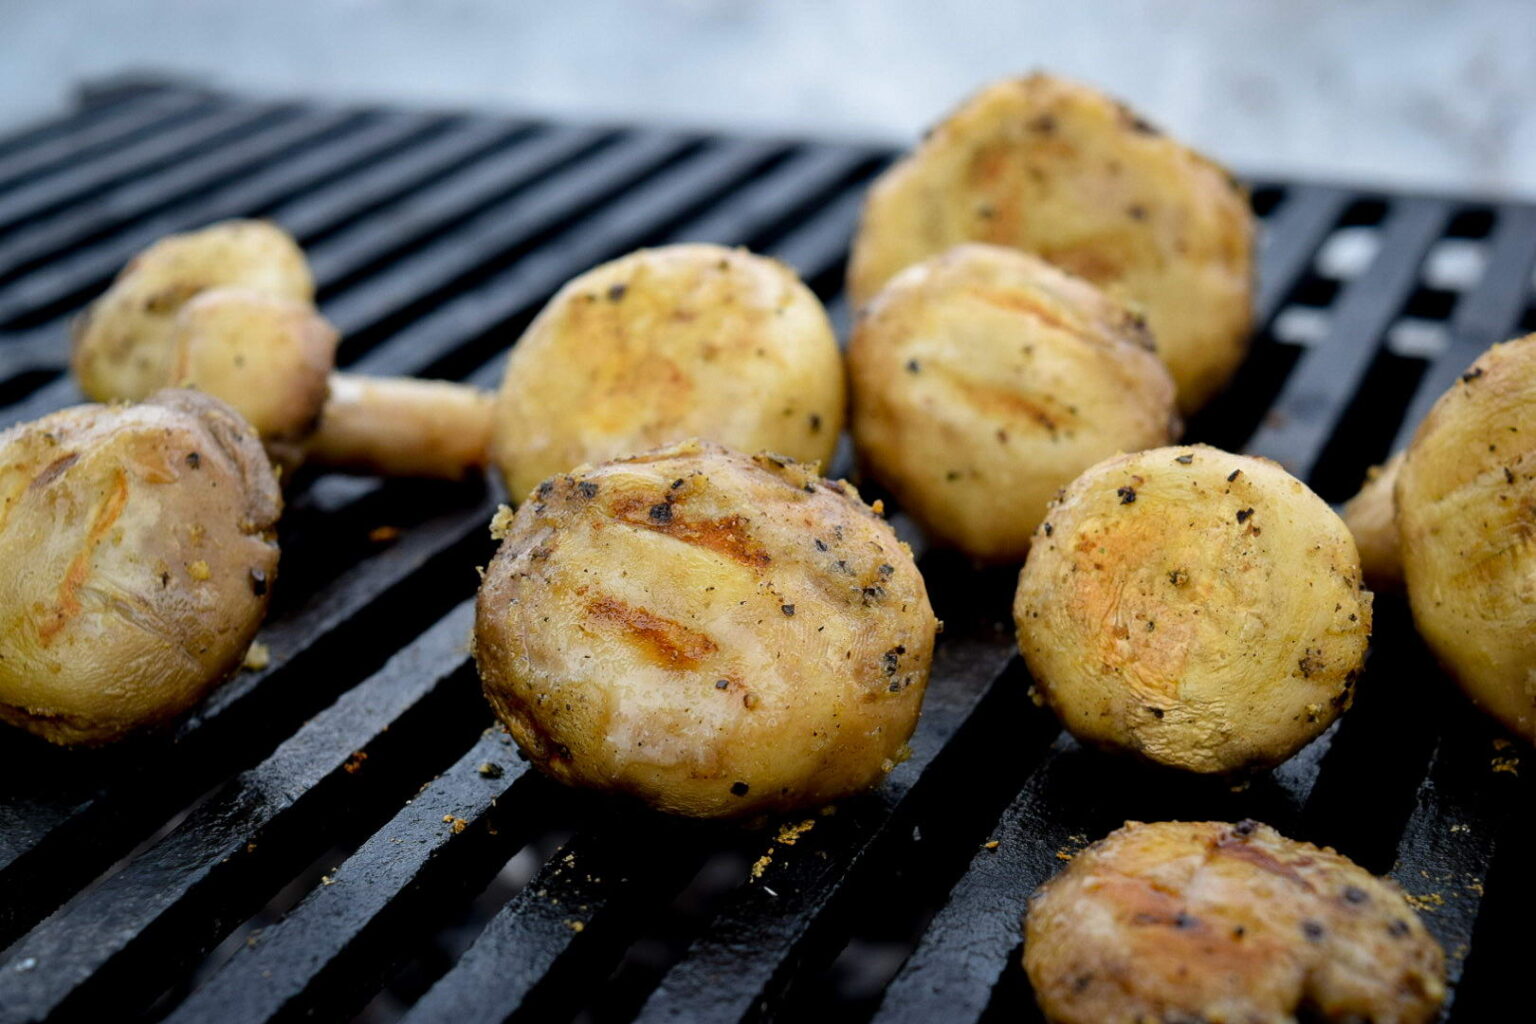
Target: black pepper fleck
[[1234, 475], [1472, 375], [739, 788], [587, 488], [721, 684], [815, 423], [194, 460], [1243, 514], [661, 512], [1185, 459], [1312, 930], [1355, 894], [1398, 928], [787, 609], [913, 366], [1127, 495], [616, 292]]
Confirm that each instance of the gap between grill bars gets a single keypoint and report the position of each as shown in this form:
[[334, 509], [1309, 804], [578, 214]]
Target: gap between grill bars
[[341, 833]]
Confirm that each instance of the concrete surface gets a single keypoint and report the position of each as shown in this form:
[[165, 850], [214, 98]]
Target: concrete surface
[[1421, 92]]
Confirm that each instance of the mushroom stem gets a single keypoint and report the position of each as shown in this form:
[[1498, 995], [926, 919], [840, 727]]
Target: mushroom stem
[[401, 426]]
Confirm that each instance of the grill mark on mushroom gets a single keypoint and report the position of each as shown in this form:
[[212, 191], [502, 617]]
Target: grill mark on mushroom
[[661, 640], [68, 605]]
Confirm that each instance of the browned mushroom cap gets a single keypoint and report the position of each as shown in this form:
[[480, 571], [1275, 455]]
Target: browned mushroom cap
[[666, 344], [1062, 171], [139, 551], [984, 380], [1466, 509], [1199, 609], [715, 634], [1209, 921]]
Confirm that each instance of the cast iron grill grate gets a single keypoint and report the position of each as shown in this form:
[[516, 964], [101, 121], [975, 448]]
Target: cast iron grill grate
[[338, 835]]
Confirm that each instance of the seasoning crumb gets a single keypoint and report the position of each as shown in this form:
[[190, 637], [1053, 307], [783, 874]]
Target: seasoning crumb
[[355, 762], [501, 523], [383, 534], [490, 770], [576, 926], [257, 656], [761, 864], [991, 845], [459, 824], [790, 834]]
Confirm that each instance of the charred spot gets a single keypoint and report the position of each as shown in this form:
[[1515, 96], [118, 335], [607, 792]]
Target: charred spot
[[1309, 665], [194, 460], [892, 659], [661, 512], [886, 569], [821, 545], [677, 483], [1313, 930], [1127, 495], [1234, 475], [1355, 894], [913, 366], [1509, 477], [258, 582], [1246, 827], [1178, 577], [815, 423], [873, 593], [616, 292], [1472, 375], [1156, 712], [739, 789], [1243, 514], [587, 489], [545, 489], [1136, 211], [787, 609], [1045, 124], [1397, 928]]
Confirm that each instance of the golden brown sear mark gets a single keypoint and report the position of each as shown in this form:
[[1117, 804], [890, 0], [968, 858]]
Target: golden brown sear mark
[[661, 640], [68, 605], [726, 535]]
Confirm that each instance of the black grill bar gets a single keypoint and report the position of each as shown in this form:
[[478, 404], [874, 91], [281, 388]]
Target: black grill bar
[[149, 156], [84, 942], [1317, 392], [337, 153], [95, 136], [1489, 313], [435, 237], [24, 303]]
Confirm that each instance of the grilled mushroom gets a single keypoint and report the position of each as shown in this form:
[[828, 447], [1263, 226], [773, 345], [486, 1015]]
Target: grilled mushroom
[[1466, 509], [667, 344], [1062, 171], [1209, 921], [1198, 609], [140, 550], [716, 634], [984, 380], [229, 310]]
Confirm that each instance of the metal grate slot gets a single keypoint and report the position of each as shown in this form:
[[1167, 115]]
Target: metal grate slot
[[255, 865]]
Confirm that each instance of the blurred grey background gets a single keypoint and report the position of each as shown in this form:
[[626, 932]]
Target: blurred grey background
[[1432, 93]]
